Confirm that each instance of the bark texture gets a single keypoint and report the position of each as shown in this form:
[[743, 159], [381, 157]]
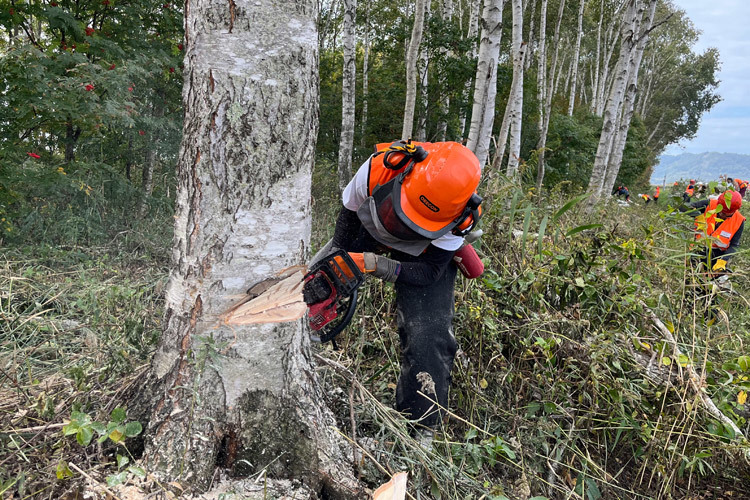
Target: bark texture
[[412, 54], [485, 83], [346, 142], [243, 213], [516, 96]]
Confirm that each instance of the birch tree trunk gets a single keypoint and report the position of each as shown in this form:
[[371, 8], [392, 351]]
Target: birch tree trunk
[[597, 57], [576, 56], [411, 69], [541, 85], [423, 68], [348, 97], [519, 47], [471, 35], [365, 73], [604, 77], [630, 24], [546, 104], [621, 135], [243, 213], [485, 84], [445, 99]]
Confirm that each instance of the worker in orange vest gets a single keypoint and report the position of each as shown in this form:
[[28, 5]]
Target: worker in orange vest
[[656, 194], [722, 221], [689, 191]]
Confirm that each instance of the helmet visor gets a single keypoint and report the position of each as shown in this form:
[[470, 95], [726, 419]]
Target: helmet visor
[[390, 212]]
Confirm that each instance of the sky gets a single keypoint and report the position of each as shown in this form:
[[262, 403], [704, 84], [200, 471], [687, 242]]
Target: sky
[[725, 24]]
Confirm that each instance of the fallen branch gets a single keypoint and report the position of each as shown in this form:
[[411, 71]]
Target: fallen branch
[[696, 381], [81, 472]]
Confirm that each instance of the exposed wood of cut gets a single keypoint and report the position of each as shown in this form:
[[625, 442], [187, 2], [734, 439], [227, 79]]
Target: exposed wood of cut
[[395, 489], [280, 302]]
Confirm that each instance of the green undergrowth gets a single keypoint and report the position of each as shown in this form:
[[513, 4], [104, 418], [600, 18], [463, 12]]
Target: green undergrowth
[[78, 325], [564, 387]]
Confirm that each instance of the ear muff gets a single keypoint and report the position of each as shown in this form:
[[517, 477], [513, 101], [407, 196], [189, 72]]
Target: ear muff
[[400, 153], [468, 220]]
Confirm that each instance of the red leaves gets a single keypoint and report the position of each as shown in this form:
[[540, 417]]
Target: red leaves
[[90, 31], [112, 67], [180, 46], [34, 155], [89, 87], [105, 2], [171, 70], [53, 4], [130, 89], [12, 11], [141, 132]]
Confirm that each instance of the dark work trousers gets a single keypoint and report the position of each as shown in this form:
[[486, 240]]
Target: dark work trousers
[[425, 326]]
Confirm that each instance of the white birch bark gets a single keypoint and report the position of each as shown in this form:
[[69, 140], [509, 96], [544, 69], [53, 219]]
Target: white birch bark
[[423, 67], [546, 104], [365, 73], [597, 57], [576, 56], [412, 54], [621, 135], [605, 83], [445, 100], [531, 42], [519, 46], [485, 86], [474, 9], [348, 95], [613, 107], [243, 213]]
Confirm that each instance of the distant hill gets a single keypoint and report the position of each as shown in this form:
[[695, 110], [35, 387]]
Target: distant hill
[[701, 167]]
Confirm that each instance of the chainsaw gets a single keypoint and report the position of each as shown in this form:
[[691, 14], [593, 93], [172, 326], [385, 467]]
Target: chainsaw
[[330, 292]]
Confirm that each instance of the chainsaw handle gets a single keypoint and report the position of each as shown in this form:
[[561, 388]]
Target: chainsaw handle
[[342, 324]]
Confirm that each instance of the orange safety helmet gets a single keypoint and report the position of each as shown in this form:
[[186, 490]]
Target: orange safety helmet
[[731, 205], [433, 196]]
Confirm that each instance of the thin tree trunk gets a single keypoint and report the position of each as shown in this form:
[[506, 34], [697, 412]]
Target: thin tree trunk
[[445, 99], [530, 45], [597, 59], [630, 23], [244, 398], [365, 73], [411, 69], [519, 47], [604, 82], [621, 135], [576, 56], [423, 67], [348, 95], [485, 87], [471, 35], [549, 92], [541, 85]]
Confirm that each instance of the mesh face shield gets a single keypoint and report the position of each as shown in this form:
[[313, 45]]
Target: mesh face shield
[[391, 215]]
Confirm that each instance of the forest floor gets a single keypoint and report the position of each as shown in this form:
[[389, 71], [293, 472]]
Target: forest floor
[[564, 386]]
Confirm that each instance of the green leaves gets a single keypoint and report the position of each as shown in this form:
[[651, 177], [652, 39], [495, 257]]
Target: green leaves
[[117, 430]]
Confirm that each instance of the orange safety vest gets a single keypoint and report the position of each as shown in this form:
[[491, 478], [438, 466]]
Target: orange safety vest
[[658, 188], [690, 190], [706, 225]]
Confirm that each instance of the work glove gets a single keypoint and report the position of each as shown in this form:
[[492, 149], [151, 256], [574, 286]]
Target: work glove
[[377, 265], [719, 265]]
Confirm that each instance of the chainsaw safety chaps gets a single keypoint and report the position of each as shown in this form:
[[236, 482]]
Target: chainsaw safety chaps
[[428, 347]]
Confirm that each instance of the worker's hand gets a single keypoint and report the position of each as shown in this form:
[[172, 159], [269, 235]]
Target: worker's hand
[[366, 262], [719, 265], [380, 267]]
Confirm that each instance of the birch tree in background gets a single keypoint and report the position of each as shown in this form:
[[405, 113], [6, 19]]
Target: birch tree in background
[[423, 68], [485, 84], [412, 54], [576, 56], [346, 142], [474, 9], [519, 47], [546, 92], [445, 99], [629, 29], [242, 214], [365, 73], [621, 134]]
